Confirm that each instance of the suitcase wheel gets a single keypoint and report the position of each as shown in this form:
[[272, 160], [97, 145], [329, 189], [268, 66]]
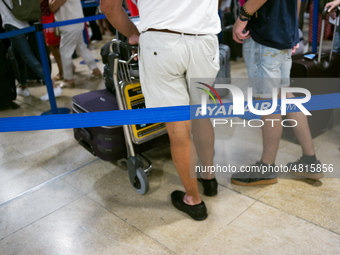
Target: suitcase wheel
[[137, 175], [141, 182]]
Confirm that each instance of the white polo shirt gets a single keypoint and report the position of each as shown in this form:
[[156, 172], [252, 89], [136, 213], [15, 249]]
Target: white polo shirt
[[8, 17], [185, 16]]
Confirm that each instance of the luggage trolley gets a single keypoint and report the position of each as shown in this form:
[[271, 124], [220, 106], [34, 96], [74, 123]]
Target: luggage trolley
[[112, 143], [129, 96]]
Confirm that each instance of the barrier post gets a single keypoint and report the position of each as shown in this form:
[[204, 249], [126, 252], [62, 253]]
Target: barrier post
[[47, 72]]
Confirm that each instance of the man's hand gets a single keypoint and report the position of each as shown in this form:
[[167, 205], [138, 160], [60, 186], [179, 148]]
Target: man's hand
[[332, 5], [295, 48], [134, 40], [238, 29]]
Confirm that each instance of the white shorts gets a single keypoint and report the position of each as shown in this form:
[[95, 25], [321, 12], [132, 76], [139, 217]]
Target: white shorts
[[167, 62]]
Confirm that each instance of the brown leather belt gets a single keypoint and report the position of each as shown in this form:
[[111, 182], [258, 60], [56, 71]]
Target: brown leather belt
[[170, 31]]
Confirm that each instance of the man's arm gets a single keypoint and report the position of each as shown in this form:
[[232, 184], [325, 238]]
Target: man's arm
[[251, 6], [117, 16], [54, 5]]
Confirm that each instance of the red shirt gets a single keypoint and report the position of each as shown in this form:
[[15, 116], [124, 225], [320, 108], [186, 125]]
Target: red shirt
[[133, 7]]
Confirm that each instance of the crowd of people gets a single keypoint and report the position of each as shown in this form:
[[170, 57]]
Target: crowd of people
[[173, 49], [61, 42]]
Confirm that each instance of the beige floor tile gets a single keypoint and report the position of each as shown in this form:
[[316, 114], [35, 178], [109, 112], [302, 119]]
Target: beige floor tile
[[27, 209], [331, 137], [30, 142], [82, 227], [265, 230], [23, 110], [8, 154], [62, 157], [329, 154], [314, 201], [154, 214], [19, 176], [86, 179]]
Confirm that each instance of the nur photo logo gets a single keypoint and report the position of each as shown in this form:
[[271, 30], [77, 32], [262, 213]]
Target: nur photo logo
[[239, 107]]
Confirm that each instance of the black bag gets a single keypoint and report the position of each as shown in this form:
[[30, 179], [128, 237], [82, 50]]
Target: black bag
[[7, 85], [107, 59]]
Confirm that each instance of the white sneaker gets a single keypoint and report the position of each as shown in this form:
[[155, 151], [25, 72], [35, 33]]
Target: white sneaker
[[57, 92], [23, 92]]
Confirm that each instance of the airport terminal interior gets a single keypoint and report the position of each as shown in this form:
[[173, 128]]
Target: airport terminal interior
[[57, 198]]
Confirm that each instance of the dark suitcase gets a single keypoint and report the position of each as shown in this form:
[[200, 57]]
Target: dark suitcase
[[7, 85], [326, 65], [235, 47], [108, 142]]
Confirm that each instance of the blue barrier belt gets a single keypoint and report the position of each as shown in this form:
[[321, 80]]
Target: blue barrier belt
[[317, 102], [138, 116], [50, 25], [17, 32], [73, 21]]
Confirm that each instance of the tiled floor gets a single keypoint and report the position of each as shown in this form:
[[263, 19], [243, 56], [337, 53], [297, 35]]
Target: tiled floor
[[56, 198]]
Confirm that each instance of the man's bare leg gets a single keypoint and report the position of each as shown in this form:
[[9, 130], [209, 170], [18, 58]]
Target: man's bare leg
[[271, 136], [182, 151], [204, 140], [302, 131]]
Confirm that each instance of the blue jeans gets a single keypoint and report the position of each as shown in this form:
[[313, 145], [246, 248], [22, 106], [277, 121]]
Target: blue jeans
[[267, 67], [24, 56]]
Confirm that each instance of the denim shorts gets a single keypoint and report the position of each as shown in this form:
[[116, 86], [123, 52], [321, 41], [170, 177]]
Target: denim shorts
[[267, 67]]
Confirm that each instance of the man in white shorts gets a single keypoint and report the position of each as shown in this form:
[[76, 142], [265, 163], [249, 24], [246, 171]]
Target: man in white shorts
[[177, 41]]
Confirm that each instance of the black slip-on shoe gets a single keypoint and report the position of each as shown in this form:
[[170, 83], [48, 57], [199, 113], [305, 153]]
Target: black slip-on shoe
[[302, 169], [209, 186], [255, 177], [197, 212]]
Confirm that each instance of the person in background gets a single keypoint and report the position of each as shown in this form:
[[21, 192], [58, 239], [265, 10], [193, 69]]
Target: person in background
[[91, 11], [267, 47], [177, 42], [52, 41], [71, 38], [22, 52]]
